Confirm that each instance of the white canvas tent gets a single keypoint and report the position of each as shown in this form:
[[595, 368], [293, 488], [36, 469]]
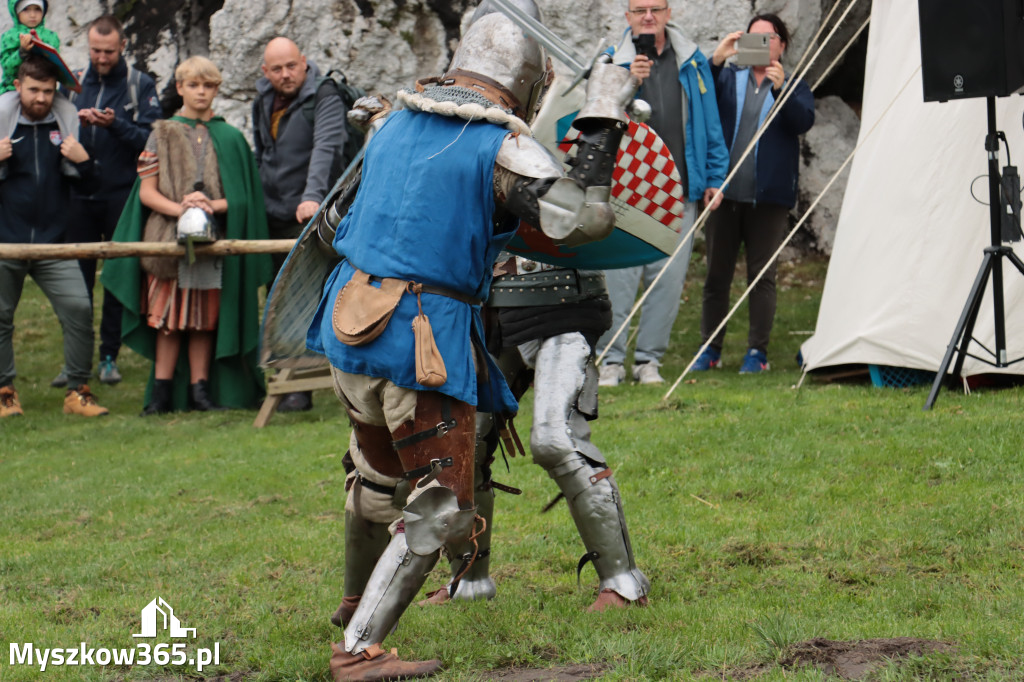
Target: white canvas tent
[[910, 237]]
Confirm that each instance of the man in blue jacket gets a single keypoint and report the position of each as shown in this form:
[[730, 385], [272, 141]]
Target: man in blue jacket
[[35, 195], [677, 83], [757, 201], [116, 106]]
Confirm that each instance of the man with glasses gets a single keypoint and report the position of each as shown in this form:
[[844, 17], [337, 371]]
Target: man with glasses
[[758, 199], [677, 83]]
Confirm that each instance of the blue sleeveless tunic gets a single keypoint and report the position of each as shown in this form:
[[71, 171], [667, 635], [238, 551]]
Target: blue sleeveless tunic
[[423, 212]]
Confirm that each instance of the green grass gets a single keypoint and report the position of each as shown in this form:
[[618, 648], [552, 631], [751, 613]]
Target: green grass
[[764, 516]]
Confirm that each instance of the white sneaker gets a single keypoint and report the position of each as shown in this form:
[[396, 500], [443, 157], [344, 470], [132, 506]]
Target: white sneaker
[[611, 375], [647, 373]]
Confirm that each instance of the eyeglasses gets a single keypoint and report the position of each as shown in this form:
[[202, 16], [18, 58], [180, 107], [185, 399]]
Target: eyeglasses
[[770, 35], [656, 11]]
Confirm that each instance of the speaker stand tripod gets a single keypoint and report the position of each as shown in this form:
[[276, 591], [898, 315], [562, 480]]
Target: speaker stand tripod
[[991, 267]]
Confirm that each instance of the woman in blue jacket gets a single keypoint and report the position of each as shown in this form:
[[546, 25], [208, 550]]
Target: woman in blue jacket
[[755, 211]]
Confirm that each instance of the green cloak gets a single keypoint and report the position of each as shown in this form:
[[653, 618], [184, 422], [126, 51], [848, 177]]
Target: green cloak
[[236, 379]]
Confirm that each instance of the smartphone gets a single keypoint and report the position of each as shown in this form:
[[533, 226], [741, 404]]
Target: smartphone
[[753, 49], [644, 44]]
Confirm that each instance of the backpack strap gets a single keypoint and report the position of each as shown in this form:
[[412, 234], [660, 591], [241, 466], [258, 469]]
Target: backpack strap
[[134, 79], [309, 106]]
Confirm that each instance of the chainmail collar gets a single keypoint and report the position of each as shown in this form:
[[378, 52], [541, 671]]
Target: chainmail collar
[[459, 102]]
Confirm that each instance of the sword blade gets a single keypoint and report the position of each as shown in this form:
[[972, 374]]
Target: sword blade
[[556, 47]]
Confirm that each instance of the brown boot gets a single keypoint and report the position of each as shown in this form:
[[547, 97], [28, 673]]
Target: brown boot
[[81, 401], [343, 615], [10, 406], [374, 664], [435, 598], [610, 599]]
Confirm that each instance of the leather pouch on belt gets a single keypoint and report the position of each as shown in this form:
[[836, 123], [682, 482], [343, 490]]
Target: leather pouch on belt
[[362, 310], [430, 369]]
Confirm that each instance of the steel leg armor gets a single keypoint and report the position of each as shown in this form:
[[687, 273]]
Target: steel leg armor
[[566, 394], [434, 450]]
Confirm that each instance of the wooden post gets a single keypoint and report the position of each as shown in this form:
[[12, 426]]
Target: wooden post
[[105, 250]]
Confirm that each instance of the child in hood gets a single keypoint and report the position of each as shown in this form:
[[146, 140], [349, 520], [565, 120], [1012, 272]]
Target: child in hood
[[27, 15]]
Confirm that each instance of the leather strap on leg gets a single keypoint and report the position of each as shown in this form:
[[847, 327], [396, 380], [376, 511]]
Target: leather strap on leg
[[443, 429]]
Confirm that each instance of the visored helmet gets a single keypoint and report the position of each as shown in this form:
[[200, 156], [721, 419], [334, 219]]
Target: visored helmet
[[510, 68]]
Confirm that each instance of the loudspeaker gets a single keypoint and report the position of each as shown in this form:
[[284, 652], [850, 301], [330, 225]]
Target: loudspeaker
[[971, 48]]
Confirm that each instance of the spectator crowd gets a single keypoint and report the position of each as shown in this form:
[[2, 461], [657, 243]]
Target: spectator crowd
[[86, 156]]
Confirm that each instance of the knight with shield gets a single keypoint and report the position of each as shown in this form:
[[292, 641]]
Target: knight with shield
[[444, 184]]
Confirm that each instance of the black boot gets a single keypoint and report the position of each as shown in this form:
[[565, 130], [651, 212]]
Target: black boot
[[160, 402], [201, 397]]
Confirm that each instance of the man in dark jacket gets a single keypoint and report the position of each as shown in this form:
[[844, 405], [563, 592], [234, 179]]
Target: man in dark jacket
[[35, 200], [116, 106], [299, 158], [757, 200]]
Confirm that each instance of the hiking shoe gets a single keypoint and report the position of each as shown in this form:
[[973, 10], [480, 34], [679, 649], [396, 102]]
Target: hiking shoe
[[61, 380], [81, 401], [611, 375], [754, 361], [647, 373], [709, 359], [109, 373], [10, 406]]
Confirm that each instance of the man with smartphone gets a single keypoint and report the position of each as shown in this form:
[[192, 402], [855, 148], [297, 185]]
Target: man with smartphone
[[763, 189], [676, 81], [116, 107]]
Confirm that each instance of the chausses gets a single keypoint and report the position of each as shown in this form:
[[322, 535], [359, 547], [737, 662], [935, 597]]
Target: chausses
[[374, 664], [81, 401]]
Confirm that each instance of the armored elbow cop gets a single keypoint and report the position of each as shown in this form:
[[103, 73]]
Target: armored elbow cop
[[574, 208]]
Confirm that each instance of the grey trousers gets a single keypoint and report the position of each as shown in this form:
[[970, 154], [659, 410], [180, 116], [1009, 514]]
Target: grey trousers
[[658, 313], [761, 229], [64, 285]]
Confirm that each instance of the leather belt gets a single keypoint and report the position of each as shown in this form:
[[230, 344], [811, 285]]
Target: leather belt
[[438, 291], [547, 287]]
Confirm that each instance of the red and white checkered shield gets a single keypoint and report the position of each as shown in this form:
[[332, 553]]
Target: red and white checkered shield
[[647, 195]]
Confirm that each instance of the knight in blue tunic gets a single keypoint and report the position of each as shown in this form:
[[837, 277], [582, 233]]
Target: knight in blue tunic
[[445, 183]]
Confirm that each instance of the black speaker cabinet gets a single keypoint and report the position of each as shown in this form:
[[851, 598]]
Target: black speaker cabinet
[[971, 48]]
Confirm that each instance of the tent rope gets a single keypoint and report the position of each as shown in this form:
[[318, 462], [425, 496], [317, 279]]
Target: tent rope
[[792, 233], [839, 56]]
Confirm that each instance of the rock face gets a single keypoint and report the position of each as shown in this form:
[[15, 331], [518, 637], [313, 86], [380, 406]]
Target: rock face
[[383, 45]]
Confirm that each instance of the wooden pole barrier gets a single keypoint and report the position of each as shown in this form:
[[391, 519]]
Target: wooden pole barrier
[[223, 247]]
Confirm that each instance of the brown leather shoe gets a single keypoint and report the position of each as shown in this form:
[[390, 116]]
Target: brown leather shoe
[[343, 615], [373, 664], [81, 401], [435, 598], [10, 406], [610, 599]]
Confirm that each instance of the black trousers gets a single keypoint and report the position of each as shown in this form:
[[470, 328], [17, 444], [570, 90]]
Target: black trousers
[[95, 220], [760, 228]]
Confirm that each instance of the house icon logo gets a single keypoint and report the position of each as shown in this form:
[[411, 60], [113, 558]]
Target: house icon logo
[[158, 614]]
